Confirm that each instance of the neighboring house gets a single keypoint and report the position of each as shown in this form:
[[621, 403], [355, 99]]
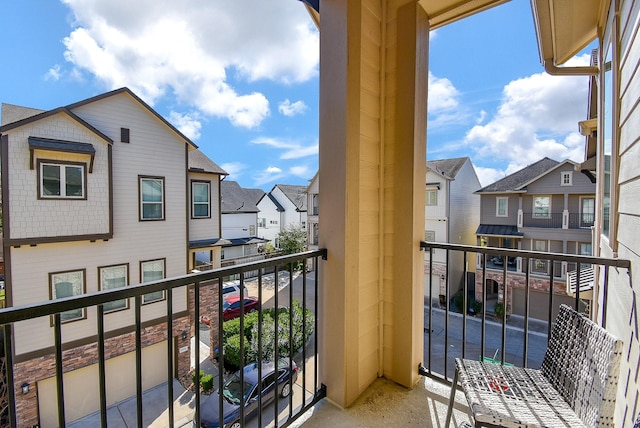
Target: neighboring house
[[239, 220], [93, 199], [312, 212], [452, 214], [546, 206], [284, 206]]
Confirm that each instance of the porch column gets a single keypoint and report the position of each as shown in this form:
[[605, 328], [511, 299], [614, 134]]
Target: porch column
[[373, 96]]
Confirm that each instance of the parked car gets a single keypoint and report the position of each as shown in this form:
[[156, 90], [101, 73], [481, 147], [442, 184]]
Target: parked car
[[275, 382], [231, 306], [230, 289]]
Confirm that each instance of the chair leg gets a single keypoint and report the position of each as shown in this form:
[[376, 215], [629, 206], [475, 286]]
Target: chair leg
[[452, 398]]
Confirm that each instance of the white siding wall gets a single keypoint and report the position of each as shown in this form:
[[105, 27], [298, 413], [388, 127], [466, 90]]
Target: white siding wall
[[269, 212], [237, 225], [154, 151], [464, 206], [291, 215], [623, 306], [32, 217]]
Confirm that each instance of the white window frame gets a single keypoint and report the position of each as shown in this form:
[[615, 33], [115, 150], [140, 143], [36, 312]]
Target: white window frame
[[533, 207], [506, 206], [429, 235], [62, 168], [155, 296], [78, 283], [195, 203], [566, 178], [431, 197], [262, 222], [106, 273], [143, 202]]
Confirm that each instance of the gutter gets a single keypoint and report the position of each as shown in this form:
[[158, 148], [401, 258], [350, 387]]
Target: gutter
[[569, 71]]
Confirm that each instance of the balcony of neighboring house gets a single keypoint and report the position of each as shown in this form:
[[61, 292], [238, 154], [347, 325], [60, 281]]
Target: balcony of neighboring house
[[296, 397], [558, 220]]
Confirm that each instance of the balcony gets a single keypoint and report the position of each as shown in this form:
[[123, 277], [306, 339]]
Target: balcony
[[511, 337]]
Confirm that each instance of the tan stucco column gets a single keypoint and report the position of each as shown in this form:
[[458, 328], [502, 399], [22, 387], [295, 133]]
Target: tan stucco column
[[373, 88]]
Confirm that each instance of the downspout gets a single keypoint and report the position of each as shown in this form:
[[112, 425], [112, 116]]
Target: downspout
[[383, 60], [569, 71]]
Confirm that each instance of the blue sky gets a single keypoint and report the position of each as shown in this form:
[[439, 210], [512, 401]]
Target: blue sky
[[240, 78]]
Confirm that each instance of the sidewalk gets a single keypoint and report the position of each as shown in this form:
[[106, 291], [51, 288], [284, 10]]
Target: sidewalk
[[155, 413]]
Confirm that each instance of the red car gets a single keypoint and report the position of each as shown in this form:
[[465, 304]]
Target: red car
[[231, 306]]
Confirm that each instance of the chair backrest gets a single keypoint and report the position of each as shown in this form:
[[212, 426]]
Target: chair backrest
[[582, 363]]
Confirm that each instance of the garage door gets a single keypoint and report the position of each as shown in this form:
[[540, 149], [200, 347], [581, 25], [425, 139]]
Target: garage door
[[81, 387]]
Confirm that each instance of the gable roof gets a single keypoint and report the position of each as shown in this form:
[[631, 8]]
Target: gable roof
[[518, 181], [13, 113], [199, 162], [50, 113], [235, 199], [296, 194], [448, 168], [69, 110]]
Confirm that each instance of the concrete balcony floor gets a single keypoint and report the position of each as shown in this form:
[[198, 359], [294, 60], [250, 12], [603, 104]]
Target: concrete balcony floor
[[386, 404]]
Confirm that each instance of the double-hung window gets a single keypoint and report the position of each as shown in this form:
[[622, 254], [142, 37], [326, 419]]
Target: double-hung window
[[62, 180], [432, 197], [542, 206], [502, 206], [151, 198], [152, 270], [200, 199], [111, 277], [67, 284]]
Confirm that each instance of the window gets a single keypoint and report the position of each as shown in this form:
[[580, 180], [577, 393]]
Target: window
[[502, 206], [304, 225], [152, 271], [429, 235], [62, 180], [262, 222], [542, 206], [314, 198], [432, 197], [538, 265], [200, 199], [252, 230], [124, 135], [203, 260], [566, 178], [585, 250], [67, 284], [588, 212], [111, 277], [607, 139], [151, 198], [273, 222]]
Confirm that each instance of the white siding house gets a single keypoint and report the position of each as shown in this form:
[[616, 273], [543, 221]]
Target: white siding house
[[94, 198], [452, 214], [284, 206]]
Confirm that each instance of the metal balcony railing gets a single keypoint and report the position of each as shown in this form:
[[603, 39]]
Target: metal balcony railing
[[308, 390], [551, 220], [461, 324], [581, 220]]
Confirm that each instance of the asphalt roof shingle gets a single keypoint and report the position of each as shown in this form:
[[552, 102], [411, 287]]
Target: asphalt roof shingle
[[447, 167], [515, 182], [236, 199], [296, 194]]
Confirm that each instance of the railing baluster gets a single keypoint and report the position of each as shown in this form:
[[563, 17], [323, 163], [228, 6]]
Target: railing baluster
[[220, 322], [465, 303], [605, 289], [260, 356], [505, 308], [446, 318], [242, 360], [526, 313], [550, 302], [304, 333], [276, 339], [483, 327], [138, 303], [102, 372], [11, 392], [57, 331], [170, 356], [430, 305], [196, 351], [291, 337]]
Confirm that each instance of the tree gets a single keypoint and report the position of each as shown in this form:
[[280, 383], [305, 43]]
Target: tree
[[292, 239]]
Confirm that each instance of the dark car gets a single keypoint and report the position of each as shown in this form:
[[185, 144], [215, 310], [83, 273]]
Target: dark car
[[231, 306], [274, 383]]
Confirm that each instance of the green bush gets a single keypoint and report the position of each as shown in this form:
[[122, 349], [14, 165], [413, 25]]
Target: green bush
[[253, 353], [206, 382]]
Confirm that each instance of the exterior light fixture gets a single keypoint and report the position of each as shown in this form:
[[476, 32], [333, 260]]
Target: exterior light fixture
[[184, 334], [25, 388]]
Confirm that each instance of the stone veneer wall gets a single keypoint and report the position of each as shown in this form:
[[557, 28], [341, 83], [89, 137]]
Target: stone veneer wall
[[517, 280], [43, 367], [208, 307]]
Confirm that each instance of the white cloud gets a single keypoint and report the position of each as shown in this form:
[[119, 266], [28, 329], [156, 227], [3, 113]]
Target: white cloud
[[189, 124], [189, 48], [302, 171], [537, 117], [268, 175], [442, 94], [53, 73], [289, 109], [292, 150], [235, 169], [488, 175]]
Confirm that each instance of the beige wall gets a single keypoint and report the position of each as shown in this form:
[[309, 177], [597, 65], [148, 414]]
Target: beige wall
[[372, 160]]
